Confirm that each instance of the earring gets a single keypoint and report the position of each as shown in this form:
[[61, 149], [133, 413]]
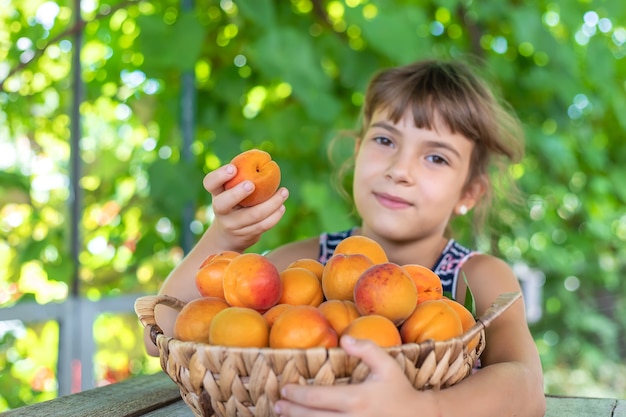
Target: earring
[[463, 210]]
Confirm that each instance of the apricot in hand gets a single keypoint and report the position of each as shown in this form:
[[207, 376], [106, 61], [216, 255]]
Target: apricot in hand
[[257, 166]]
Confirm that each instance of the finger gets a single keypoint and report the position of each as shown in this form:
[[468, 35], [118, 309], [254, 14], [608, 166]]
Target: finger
[[269, 221], [284, 408], [300, 400], [214, 181], [263, 216], [229, 199], [377, 359], [265, 209]]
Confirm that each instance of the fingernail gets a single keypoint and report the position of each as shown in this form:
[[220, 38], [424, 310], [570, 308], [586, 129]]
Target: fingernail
[[277, 409], [284, 193], [230, 169], [349, 340], [248, 186]]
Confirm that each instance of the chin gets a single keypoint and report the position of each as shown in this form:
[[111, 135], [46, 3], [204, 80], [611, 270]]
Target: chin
[[387, 229]]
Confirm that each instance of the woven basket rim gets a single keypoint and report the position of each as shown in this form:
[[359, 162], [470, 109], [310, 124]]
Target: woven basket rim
[[144, 308], [311, 350]]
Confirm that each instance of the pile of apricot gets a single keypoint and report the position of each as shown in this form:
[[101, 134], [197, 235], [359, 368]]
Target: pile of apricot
[[247, 302]]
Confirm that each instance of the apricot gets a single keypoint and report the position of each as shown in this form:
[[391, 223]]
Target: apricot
[[194, 319], [211, 273], [341, 273], [209, 279], [239, 327], [219, 256], [428, 283], [251, 280], [432, 319], [302, 327], [387, 290], [300, 287], [312, 265], [272, 314], [339, 313], [363, 245], [467, 320], [378, 329], [257, 166]]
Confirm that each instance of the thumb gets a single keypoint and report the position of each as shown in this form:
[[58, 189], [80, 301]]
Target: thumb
[[377, 359]]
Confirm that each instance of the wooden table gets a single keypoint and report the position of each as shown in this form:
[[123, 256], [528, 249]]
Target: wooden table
[[156, 395]]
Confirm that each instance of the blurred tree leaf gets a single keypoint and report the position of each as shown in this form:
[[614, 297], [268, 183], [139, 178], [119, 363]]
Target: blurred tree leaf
[[172, 185], [174, 46], [261, 12]]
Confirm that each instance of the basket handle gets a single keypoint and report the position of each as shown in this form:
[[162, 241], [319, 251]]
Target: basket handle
[[144, 307], [500, 304]]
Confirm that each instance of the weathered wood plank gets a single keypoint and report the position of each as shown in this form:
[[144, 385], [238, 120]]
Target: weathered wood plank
[[157, 396], [579, 407], [177, 409], [133, 397]]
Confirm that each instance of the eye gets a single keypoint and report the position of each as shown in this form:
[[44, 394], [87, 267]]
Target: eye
[[437, 159], [383, 141]]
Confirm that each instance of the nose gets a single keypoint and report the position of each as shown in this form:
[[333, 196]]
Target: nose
[[401, 169]]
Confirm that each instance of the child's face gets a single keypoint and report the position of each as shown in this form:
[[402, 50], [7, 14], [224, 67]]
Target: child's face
[[408, 181]]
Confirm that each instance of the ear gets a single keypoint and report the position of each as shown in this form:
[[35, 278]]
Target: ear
[[471, 194]]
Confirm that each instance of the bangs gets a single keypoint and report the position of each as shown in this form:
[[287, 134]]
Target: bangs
[[434, 94]]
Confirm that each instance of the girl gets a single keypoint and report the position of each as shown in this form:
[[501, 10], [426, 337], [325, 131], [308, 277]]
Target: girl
[[430, 132]]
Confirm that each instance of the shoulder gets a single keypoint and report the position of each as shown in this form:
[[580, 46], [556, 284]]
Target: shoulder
[[488, 277], [286, 254]]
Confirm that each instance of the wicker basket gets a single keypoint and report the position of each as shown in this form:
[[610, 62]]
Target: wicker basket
[[228, 382]]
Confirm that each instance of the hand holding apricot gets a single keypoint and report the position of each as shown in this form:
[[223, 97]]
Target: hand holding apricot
[[257, 166], [234, 227]]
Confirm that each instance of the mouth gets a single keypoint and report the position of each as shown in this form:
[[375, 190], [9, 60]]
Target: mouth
[[391, 201]]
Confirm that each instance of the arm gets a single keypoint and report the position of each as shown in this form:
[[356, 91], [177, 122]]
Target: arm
[[509, 384], [234, 228], [511, 378], [284, 255]]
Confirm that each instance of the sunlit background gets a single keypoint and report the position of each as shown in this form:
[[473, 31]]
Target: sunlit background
[[169, 90]]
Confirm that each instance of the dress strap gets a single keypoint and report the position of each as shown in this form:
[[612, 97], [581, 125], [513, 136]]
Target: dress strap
[[328, 243], [450, 263]]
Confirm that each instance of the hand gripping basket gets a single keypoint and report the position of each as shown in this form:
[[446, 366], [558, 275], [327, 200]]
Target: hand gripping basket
[[245, 382]]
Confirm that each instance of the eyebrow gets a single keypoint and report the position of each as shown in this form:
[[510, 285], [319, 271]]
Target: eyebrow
[[386, 126], [431, 143]]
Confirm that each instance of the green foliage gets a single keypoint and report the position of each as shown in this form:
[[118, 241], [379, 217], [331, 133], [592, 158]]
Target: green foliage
[[288, 77]]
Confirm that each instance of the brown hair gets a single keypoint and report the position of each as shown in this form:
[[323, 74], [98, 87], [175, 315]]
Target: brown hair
[[450, 92]]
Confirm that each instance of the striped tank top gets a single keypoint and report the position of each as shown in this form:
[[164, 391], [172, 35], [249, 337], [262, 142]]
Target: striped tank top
[[447, 267]]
